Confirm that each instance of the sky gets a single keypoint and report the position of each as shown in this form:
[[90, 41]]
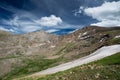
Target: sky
[[57, 16]]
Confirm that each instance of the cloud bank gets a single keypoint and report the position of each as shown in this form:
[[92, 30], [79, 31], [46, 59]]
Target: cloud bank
[[19, 16], [24, 24], [108, 14]]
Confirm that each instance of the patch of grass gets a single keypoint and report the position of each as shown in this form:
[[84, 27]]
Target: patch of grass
[[111, 60], [67, 48], [70, 47], [9, 57], [30, 65], [105, 69], [112, 32], [86, 73], [115, 41], [2, 35]]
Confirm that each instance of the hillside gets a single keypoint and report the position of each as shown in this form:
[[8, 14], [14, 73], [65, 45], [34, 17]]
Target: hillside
[[105, 69], [97, 55], [21, 55]]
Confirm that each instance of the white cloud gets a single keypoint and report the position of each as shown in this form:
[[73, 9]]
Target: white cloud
[[108, 14], [108, 23], [77, 12], [28, 29], [52, 30], [18, 23], [15, 21], [4, 29], [49, 21]]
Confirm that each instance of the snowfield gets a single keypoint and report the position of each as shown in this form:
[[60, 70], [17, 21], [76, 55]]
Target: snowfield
[[97, 55]]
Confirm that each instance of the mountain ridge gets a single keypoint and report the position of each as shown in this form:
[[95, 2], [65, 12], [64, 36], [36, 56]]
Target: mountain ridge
[[20, 50]]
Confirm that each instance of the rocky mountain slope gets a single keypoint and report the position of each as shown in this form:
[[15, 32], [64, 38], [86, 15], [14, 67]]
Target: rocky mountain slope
[[17, 51]]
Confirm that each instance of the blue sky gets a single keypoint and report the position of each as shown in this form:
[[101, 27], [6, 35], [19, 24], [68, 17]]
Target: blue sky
[[57, 16]]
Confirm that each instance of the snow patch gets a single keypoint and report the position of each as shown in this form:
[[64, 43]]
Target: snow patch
[[85, 33], [37, 45], [97, 55], [42, 44], [84, 37], [52, 46], [117, 36], [48, 41], [80, 35]]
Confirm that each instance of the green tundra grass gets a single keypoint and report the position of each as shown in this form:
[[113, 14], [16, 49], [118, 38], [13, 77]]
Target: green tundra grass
[[106, 69]]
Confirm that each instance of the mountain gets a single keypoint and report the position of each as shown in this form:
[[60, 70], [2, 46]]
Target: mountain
[[32, 52]]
